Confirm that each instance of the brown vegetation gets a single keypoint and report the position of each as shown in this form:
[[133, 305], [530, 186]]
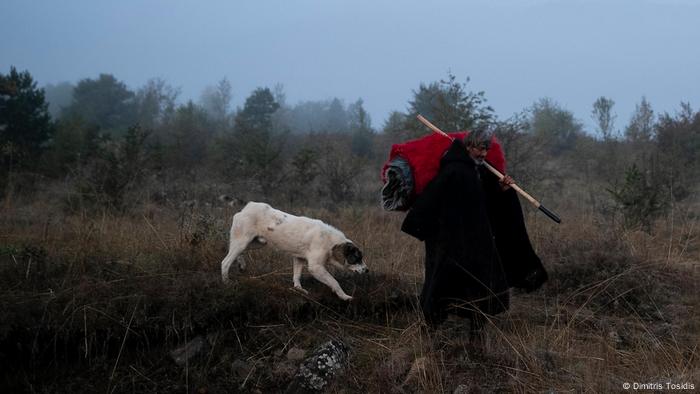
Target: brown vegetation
[[96, 302]]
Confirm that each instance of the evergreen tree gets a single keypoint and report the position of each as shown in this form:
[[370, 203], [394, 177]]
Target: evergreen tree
[[395, 124], [337, 117], [25, 123], [449, 105], [256, 116], [186, 139], [74, 143], [105, 102], [255, 145], [361, 130]]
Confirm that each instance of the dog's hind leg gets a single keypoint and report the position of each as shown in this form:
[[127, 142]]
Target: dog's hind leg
[[240, 238], [255, 243], [234, 250], [241, 263], [322, 275], [298, 266]]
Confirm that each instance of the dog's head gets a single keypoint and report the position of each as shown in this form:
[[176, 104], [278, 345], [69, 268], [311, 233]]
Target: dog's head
[[350, 256]]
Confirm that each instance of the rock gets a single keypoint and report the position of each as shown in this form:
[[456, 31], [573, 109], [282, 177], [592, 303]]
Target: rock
[[182, 355], [296, 354], [317, 372]]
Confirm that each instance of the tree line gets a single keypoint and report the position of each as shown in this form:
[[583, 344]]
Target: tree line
[[112, 144]]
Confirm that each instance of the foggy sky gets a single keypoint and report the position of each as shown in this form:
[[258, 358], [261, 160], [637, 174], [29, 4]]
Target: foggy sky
[[378, 50]]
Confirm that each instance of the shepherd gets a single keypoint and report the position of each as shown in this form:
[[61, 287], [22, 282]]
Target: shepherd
[[476, 243]]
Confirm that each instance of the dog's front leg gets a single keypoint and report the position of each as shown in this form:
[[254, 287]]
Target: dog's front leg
[[298, 266], [322, 275]]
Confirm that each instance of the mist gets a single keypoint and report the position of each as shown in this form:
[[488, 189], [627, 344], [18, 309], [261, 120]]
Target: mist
[[379, 51]]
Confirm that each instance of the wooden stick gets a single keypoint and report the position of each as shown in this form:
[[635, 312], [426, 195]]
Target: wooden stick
[[517, 188]]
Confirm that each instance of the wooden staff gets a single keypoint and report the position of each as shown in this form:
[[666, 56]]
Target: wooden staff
[[517, 188]]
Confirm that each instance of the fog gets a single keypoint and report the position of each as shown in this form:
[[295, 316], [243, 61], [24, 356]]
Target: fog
[[380, 51]]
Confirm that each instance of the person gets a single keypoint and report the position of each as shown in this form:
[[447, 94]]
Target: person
[[476, 243]]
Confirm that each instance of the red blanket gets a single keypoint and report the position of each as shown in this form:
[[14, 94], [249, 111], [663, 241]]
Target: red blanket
[[424, 154]]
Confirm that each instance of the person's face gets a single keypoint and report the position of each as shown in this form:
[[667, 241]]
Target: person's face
[[478, 152]]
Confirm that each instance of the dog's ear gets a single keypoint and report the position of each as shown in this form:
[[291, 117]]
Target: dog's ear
[[352, 253], [338, 252], [347, 251]]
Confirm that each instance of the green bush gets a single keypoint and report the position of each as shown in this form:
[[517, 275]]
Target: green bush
[[638, 199]]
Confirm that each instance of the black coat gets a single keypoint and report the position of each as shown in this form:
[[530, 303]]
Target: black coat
[[466, 220]]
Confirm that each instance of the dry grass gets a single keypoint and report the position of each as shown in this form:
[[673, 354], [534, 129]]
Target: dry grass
[[95, 303]]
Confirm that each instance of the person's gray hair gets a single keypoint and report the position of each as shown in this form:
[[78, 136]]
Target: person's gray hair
[[479, 136]]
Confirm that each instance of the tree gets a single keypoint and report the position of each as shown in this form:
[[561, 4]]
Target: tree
[[604, 117], [449, 105], [281, 118], [524, 151], [255, 145], [118, 169], [74, 144], [303, 171], [638, 199], [279, 94], [58, 96], [185, 143], [338, 170], [216, 101], [393, 132], [155, 103], [361, 130], [641, 125], [556, 127], [395, 124], [678, 144], [318, 116], [25, 123], [337, 116], [104, 101], [256, 116]]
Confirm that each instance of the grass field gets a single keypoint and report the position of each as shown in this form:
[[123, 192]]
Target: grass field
[[97, 303]]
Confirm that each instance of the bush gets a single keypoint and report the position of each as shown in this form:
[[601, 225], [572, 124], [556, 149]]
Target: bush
[[115, 170], [638, 199]]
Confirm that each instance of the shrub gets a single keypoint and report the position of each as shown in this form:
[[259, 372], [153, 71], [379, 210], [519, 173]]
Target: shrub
[[638, 199]]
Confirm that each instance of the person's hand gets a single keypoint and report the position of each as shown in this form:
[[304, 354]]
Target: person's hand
[[505, 182]]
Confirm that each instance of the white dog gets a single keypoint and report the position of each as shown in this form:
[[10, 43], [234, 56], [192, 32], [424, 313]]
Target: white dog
[[307, 240]]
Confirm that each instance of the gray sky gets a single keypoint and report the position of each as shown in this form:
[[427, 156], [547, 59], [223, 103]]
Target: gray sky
[[379, 50]]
